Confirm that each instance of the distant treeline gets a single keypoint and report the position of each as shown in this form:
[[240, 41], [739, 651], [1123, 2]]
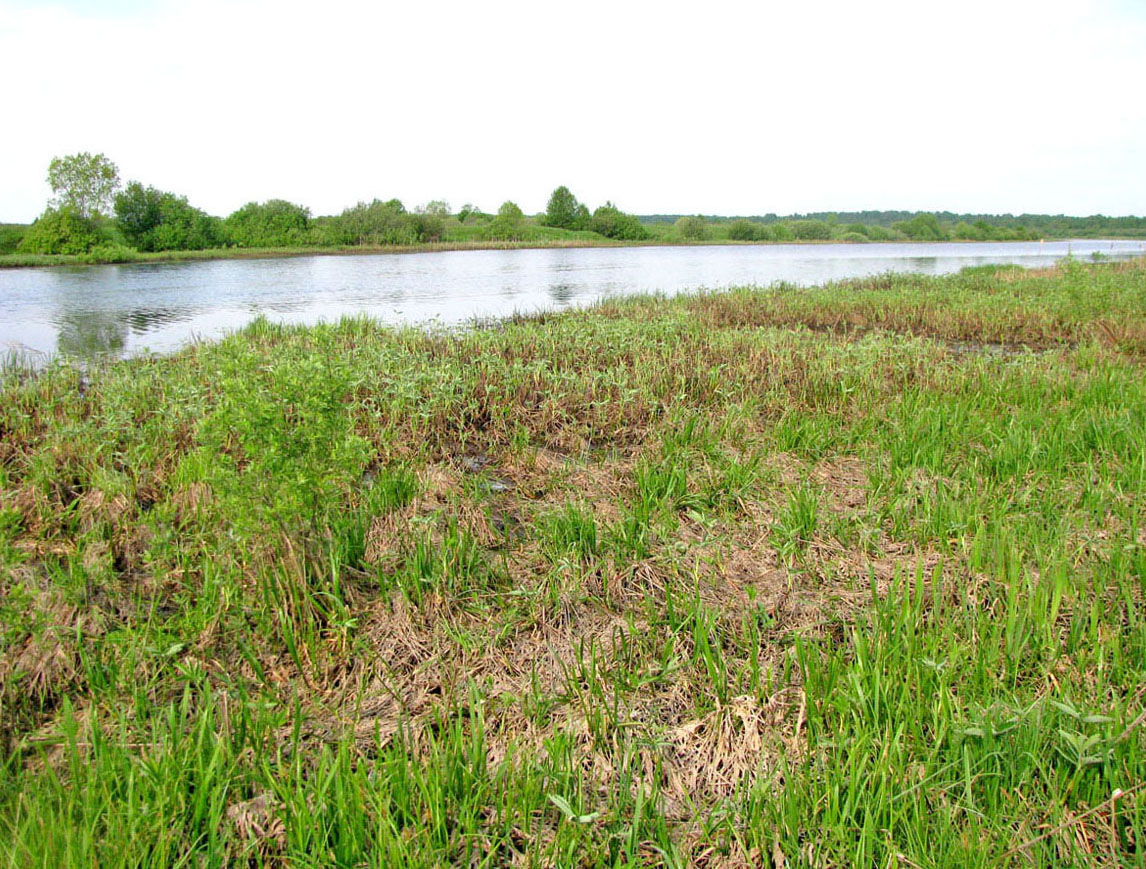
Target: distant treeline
[[951, 225], [92, 215]]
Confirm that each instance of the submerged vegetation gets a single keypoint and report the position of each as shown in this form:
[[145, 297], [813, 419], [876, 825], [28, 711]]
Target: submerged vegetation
[[845, 576], [91, 220]]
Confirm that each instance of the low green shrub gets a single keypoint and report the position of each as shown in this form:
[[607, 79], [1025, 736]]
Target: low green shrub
[[60, 231], [693, 228], [746, 230]]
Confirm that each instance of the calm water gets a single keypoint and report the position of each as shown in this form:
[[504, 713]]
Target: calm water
[[127, 309]]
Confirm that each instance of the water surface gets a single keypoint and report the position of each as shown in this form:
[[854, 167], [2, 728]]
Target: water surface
[[124, 309]]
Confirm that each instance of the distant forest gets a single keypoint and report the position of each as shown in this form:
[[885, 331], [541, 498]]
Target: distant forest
[[1043, 225]]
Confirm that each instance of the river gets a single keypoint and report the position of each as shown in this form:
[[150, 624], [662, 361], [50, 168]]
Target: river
[[119, 310]]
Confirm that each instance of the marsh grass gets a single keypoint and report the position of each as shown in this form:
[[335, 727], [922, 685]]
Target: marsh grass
[[847, 576]]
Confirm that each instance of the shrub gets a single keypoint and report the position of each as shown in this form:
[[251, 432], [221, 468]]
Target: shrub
[[693, 228], [811, 230], [426, 226], [274, 223], [854, 238], [508, 225], [611, 222], [745, 230], [60, 231], [154, 220], [781, 231], [376, 223], [110, 253], [10, 237]]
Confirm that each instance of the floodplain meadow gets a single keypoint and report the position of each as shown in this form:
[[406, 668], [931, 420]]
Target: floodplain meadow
[[849, 575]]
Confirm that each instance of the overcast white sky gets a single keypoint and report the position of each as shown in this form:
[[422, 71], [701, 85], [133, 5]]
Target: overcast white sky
[[706, 106]]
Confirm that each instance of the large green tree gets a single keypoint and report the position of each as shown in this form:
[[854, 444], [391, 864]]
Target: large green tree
[[564, 211], [84, 183]]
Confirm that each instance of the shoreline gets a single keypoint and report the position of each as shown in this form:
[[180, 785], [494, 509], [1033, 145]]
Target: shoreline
[[18, 261]]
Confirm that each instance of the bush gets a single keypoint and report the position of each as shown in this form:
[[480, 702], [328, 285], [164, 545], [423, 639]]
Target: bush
[[274, 223], [10, 237], [811, 230], [746, 230], [611, 222], [781, 231], [508, 225], [426, 226], [110, 253], [60, 231], [693, 228], [854, 238], [154, 220], [375, 223]]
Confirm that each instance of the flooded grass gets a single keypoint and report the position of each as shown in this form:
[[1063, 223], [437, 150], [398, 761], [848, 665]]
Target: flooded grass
[[765, 577]]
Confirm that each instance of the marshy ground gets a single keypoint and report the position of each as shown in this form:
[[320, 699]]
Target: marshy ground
[[845, 576]]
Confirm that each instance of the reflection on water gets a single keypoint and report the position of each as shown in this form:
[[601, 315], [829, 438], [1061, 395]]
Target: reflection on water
[[562, 294], [91, 334], [127, 309]]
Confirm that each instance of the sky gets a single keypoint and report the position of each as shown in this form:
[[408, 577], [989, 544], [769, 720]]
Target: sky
[[716, 107]]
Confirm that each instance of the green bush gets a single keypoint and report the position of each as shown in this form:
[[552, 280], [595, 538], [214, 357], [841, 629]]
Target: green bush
[[509, 225], [854, 238], [60, 231], [274, 223], [110, 253], [374, 223], [781, 231], [155, 220], [611, 222], [10, 237], [811, 230], [693, 228], [746, 230]]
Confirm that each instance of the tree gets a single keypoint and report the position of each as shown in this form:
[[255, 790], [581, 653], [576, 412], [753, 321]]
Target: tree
[[564, 211], [434, 208], [153, 219], [468, 210], [84, 183]]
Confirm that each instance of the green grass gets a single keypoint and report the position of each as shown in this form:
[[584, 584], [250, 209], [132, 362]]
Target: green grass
[[846, 576]]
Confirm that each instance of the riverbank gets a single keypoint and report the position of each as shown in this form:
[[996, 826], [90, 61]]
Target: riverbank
[[843, 576], [127, 255]]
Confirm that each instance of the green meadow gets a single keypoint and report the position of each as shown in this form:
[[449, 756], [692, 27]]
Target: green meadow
[[844, 576]]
